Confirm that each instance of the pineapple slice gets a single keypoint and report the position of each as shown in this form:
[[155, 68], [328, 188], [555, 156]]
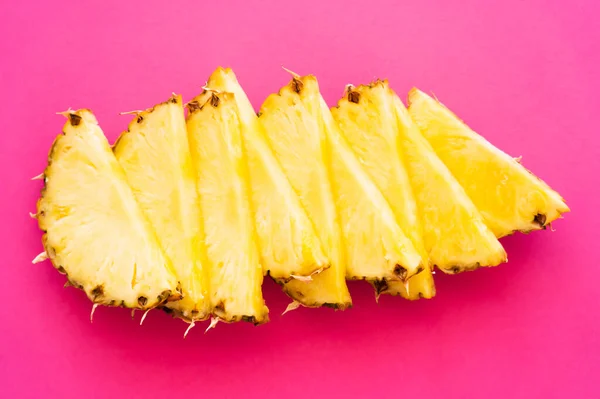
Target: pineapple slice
[[367, 119], [455, 235], [362, 206], [95, 231], [155, 156], [288, 242], [215, 135], [508, 196], [375, 245], [294, 134]]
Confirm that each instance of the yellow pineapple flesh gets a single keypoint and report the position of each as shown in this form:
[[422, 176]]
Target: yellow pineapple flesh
[[366, 117], [155, 156], [295, 136], [455, 235], [288, 243], [508, 196], [375, 245], [215, 135], [94, 230]]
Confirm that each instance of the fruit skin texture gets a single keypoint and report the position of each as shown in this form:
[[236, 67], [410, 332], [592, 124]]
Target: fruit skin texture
[[508, 196], [366, 117], [294, 134], [455, 235], [288, 243], [236, 275], [94, 230], [155, 155]]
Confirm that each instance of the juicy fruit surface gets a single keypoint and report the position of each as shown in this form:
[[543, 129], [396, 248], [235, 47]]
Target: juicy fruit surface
[[95, 231], [215, 136], [155, 156], [507, 195], [295, 136], [366, 118], [190, 215], [375, 246], [288, 242], [455, 235]]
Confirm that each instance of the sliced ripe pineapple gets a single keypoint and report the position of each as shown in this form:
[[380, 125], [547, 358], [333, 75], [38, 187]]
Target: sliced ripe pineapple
[[288, 243], [367, 119], [455, 235], [155, 156], [509, 197], [215, 135], [375, 245], [294, 133], [95, 231]]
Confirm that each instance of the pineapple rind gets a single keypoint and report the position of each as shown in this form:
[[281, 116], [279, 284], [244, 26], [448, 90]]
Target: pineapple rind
[[94, 230], [509, 197], [420, 286], [292, 127], [236, 274], [155, 155], [288, 243]]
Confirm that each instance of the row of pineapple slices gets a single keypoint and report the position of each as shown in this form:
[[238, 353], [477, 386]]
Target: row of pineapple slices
[[189, 213]]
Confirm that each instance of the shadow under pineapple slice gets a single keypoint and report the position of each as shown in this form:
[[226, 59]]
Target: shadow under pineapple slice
[[95, 231], [155, 155], [366, 117], [455, 235], [295, 136], [508, 196], [288, 242], [215, 136]]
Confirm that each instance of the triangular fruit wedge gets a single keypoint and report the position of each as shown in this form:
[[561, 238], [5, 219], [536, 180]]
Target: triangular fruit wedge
[[367, 119], [288, 242], [215, 134], [155, 156], [295, 136], [455, 235], [376, 247], [95, 231], [509, 197]]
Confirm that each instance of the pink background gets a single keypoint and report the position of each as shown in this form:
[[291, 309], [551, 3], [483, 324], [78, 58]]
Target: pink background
[[523, 73]]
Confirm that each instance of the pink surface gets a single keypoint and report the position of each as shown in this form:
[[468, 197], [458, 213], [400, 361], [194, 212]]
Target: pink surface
[[523, 73]]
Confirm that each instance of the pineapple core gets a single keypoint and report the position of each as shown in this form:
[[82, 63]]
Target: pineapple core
[[95, 231], [508, 196], [155, 155], [215, 136]]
